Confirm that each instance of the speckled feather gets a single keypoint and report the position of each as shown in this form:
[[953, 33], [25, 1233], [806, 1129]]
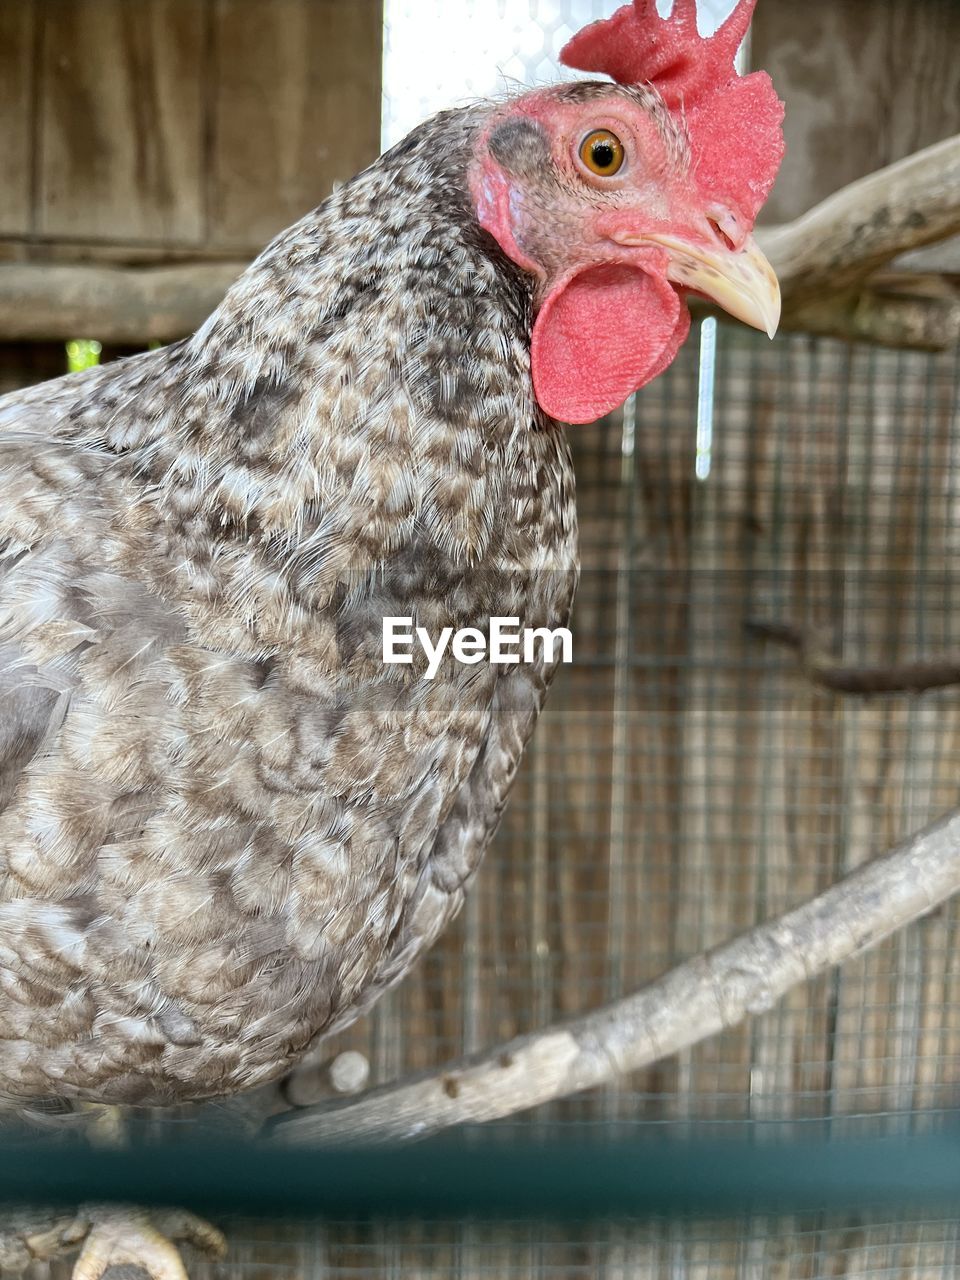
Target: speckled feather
[[225, 825]]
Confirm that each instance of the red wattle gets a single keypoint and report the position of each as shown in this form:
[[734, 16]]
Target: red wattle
[[601, 335]]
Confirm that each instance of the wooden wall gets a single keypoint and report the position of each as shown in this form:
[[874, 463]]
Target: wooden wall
[[865, 82], [150, 129]]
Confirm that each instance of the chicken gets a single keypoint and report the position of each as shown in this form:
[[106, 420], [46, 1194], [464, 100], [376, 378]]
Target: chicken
[[226, 824]]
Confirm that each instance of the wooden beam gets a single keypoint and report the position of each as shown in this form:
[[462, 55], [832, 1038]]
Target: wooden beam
[[41, 302]]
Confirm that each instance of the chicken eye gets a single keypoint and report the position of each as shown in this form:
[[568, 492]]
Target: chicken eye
[[602, 152]]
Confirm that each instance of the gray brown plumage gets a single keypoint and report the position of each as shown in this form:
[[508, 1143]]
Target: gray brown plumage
[[227, 825]]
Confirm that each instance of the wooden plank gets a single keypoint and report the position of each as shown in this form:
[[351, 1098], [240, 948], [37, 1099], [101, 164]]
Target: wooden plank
[[297, 108], [122, 122], [115, 253], [134, 304], [865, 82], [16, 115]]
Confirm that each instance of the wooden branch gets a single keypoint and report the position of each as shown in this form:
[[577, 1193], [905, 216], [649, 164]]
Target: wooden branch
[[49, 302], [942, 258], [920, 313], [912, 312], [696, 1000], [826, 259], [850, 235], [823, 670]]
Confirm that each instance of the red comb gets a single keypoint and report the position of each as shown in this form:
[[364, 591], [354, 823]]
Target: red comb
[[733, 122]]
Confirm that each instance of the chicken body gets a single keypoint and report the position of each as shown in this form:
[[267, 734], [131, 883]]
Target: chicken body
[[226, 825]]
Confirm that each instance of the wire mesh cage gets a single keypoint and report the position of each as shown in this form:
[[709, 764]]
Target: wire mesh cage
[[757, 507]]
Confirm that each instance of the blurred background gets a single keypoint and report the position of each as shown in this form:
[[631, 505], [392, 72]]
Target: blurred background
[[690, 777]]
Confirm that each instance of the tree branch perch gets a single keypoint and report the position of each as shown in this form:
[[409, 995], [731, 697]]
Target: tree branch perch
[[826, 260], [919, 313], [696, 1000], [822, 669], [865, 225]]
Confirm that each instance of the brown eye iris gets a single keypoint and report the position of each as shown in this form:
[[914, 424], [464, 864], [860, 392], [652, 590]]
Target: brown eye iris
[[602, 152]]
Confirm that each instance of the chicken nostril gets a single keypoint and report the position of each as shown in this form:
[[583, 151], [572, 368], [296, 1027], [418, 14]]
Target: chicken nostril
[[721, 235]]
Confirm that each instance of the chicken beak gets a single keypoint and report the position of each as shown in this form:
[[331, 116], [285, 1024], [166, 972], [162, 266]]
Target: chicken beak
[[741, 281]]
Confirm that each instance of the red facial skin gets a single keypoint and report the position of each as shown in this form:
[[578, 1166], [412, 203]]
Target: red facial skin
[[608, 319], [733, 122]]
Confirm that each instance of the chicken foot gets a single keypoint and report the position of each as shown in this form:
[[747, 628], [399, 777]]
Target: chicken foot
[[108, 1236]]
